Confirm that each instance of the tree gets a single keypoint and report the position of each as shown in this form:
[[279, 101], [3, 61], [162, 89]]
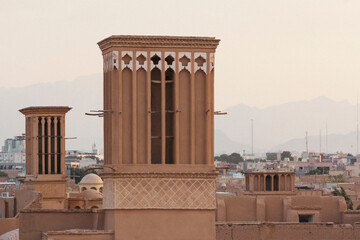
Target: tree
[[3, 174], [336, 179], [234, 158], [358, 207], [286, 154], [342, 193], [79, 173]]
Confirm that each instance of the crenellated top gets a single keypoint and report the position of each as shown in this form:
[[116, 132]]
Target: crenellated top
[[158, 42]]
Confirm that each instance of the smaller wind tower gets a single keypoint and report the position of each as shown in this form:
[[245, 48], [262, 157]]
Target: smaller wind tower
[[45, 154]]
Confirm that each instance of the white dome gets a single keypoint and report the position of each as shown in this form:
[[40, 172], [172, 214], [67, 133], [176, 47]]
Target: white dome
[[91, 178]]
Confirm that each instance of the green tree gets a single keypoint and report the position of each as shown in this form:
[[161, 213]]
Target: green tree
[[286, 154], [358, 207], [3, 174], [234, 158], [336, 179], [342, 193], [79, 173]]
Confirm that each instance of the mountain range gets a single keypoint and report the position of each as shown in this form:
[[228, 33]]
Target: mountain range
[[275, 128], [284, 127]]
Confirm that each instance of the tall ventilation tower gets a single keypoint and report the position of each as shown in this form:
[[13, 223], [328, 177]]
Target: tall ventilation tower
[[159, 174], [45, 154]]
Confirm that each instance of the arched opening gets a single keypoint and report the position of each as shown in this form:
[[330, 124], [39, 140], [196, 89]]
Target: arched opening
[[83, 189], [276, 183], [94, 207], [76, 207], [101, 189], [247, 183], [155, 116], [93, 188], [268, 183], [169, 116]]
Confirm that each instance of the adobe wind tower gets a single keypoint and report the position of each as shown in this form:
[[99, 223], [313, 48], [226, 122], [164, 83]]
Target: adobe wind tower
[[159, 174], [45, 154]]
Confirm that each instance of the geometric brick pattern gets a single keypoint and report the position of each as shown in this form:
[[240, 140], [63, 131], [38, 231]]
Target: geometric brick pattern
[[159, 193]]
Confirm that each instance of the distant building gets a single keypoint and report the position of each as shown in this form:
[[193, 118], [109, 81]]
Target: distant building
[[273, 156], [12, 155]]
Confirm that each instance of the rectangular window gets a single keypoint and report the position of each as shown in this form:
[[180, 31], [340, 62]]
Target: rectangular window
[[306, 218]]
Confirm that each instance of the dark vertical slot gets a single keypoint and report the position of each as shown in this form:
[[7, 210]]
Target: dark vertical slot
[[156, 116], [169, 116], [52, 144], [46, 147], [39, 146], [58, 159], [268, 183]]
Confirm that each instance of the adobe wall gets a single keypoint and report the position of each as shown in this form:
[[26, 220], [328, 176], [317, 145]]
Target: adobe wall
[[279, 208], [310, 192], [7, 207], [351, 216], [239, 208], [161, 224], [33, 222], [25, 198], [285, 231], [78, 235], [8, 224]]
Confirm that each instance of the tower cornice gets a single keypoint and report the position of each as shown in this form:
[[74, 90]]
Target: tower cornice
[[158, 42]]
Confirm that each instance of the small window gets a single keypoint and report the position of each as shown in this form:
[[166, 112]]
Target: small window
[[306, 218]]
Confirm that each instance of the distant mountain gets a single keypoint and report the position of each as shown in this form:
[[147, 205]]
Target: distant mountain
[[82, 94], [276, 125], [335, 143]]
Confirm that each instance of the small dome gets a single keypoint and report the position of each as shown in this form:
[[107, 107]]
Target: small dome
[[91, 178], [89, 194]]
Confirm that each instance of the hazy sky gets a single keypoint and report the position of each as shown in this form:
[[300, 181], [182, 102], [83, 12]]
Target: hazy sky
[[271, 51]]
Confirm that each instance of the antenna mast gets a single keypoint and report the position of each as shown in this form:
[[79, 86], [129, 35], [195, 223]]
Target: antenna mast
[[306, 141], [320, 141], [326, 138], [357, 125], [252, 137]]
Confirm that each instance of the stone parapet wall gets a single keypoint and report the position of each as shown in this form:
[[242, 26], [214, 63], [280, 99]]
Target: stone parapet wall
[[35, 222], [285, 231], [351, 216], [78, 234]]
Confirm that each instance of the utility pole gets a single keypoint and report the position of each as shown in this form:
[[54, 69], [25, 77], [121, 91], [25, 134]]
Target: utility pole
[[357, 126], [326, 138], [320, 141], [306, 142], [252, 137]]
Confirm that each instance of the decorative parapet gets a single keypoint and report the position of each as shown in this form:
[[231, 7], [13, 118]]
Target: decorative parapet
[[155, 192]]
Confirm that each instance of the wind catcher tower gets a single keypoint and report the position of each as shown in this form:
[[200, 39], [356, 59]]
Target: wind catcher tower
[[159, 174], [45, 154]]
